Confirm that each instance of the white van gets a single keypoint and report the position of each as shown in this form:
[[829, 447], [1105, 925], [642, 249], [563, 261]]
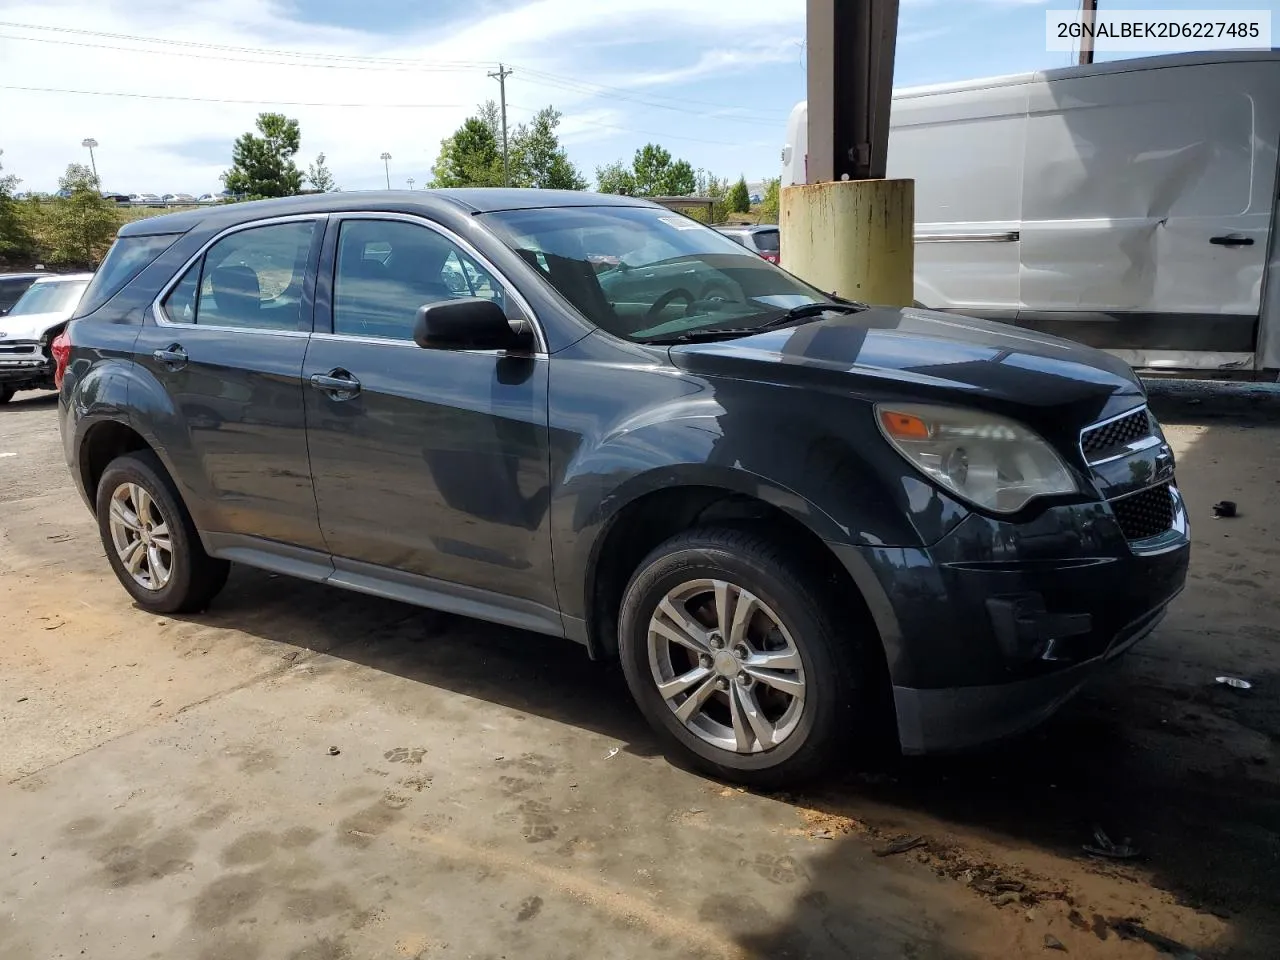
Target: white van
[[1127, 205]]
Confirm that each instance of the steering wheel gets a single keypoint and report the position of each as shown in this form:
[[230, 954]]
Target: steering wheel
[[664, 301], [717, 290]]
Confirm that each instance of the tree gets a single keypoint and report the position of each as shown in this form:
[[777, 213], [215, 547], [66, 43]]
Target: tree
[[262, 166], [653, 174], [769, 206], [470, 157], [82, 223], [739, 199], [617, 178], [15, 239], [319, 177], [537, 158]]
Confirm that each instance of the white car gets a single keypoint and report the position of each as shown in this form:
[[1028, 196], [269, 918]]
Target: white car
[[27, 332]]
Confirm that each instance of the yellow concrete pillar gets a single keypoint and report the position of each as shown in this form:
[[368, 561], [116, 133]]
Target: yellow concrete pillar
[[854, 238]]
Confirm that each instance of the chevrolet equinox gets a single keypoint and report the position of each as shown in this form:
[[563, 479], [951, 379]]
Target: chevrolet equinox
[[798, 521]]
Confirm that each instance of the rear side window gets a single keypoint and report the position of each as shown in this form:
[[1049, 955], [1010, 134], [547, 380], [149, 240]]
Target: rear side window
[[251, 278], [127, 258]]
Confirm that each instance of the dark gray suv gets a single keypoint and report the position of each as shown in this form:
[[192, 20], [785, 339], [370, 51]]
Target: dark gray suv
[[799, 522]]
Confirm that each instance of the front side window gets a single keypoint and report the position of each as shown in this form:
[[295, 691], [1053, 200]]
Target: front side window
[[387, 269], [251, 278], [647, 274], [57, 296]]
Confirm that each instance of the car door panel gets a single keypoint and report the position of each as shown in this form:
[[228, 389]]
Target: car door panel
[[236, 427], [437, 464]]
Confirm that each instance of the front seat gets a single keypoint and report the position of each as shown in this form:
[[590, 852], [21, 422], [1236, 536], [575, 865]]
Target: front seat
[[237, 294]]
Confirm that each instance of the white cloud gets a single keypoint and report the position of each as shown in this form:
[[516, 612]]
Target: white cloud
[[143, 141]]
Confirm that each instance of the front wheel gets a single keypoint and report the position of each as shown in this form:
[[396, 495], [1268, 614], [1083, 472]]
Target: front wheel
[[734, 653], [150, 539]]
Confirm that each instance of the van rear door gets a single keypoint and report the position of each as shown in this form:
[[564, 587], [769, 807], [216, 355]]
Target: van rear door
[[1147, 207]]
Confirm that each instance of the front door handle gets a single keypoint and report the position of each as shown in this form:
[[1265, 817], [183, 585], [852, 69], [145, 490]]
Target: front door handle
[[172, 356], [338, 384], [1232, 240]]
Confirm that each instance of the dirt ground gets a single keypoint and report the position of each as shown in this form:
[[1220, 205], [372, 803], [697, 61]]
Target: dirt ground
[[168, 787]]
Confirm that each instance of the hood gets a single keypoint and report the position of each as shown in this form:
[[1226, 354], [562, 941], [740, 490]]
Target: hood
[[29, 326], [931, 356]]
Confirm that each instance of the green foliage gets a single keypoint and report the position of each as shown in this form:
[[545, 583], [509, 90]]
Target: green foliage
[[769, 206], [77, 229], [739, 198], [263, 165], [616, 178], [16, 242], [472, 155], [537, 158], [319, 177], [653, 173]]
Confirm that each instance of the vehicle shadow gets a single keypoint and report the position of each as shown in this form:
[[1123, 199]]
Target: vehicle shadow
[[1154, 750]]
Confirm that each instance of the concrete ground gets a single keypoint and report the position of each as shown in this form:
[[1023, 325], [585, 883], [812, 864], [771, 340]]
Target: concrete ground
[[168, 787]]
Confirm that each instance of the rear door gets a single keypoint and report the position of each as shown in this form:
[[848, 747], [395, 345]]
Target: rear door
[[1147, 210], [226, 342]]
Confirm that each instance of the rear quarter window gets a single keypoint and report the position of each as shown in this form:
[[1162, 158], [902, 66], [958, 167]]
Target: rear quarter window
[[127, 258]]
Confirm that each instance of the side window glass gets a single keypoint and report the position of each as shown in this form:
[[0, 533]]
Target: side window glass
[[387, 269], [180, 305], [254, 278]]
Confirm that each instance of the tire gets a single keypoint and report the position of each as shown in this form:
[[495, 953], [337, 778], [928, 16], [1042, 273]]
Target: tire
[[194, 578], [840, 659], [6, 393]]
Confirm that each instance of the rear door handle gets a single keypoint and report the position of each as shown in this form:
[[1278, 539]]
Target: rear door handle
[[339, 384], [1232, 240], [172, 356]]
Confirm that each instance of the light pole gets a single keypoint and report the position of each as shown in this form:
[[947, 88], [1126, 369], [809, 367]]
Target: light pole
[[410, 182], [386, 164], [91, 143]]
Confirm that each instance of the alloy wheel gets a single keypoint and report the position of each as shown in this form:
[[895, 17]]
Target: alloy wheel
[[141, 536]]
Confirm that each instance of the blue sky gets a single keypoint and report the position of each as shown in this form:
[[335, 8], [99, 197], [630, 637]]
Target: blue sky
[[712, 80]]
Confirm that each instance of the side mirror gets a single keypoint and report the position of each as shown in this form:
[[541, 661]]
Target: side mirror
[[468, 323]]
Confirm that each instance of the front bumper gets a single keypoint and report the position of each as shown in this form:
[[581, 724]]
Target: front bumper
[[24, 362], [993, 628]]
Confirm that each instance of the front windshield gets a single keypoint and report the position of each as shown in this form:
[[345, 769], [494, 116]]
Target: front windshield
[[57, 296], [645, 273]]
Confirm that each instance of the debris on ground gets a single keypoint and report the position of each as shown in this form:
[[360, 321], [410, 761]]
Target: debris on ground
[[22, 699], [1224, 509], [1077, 920], [1006, 898], [1104, 847], [1235, 682], [901, 845], [613, 752], [1053, 943], [334, 751], [1129, 930]]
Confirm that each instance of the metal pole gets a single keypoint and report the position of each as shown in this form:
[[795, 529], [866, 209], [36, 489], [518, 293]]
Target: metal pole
[[91, 143], [1088, 12], [850, 49], [386, 165], [501, 77]]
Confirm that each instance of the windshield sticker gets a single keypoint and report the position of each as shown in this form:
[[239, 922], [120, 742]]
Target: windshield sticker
[[680, 223]]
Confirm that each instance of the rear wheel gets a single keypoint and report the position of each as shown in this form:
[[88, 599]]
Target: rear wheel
[[150, 539], [732, 652]]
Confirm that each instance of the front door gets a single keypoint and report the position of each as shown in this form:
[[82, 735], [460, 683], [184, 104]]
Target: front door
[[430, 463], [227, 348]]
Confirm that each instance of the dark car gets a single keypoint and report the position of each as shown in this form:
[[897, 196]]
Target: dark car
[[14, 285], [762, 238], [798, 522]]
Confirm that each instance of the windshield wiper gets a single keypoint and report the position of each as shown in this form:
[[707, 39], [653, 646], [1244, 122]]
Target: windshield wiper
[[806, 311]]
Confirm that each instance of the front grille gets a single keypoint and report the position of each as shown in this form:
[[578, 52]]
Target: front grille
[[1146, 514], [17, 349], [1098, 443]]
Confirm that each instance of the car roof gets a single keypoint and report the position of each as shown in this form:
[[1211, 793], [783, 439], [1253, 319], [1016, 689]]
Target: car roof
[[62, 277], [745, 227], [23, 274], [471, 200]]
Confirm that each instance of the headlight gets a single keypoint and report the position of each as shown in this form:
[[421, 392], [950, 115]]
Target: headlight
[[992, 462]]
